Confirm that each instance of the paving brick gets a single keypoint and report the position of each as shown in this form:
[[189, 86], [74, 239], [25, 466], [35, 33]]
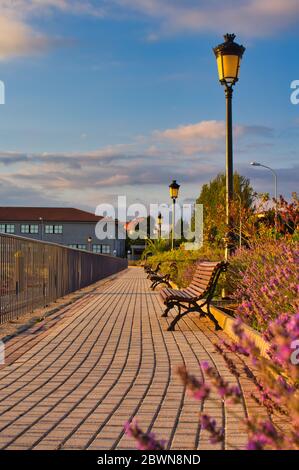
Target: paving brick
[[104, 360]]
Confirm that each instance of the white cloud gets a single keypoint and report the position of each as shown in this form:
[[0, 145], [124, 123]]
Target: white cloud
[[17, 35], [201, 130], [17, 39], [253, 18]]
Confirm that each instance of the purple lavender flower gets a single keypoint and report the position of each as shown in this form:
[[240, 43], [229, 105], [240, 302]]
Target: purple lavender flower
[[145, 441]]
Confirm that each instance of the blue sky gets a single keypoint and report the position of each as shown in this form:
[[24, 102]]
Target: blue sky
[[121, 96]]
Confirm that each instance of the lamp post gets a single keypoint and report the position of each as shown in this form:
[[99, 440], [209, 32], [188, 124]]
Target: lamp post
[[89, 241], [275, 186], [174, 193], [41, 227], [228, 56], [159, 223]]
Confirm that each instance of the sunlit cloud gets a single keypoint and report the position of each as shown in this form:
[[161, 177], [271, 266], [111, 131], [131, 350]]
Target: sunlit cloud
[[18, 37], [253, 18], [202, 130]]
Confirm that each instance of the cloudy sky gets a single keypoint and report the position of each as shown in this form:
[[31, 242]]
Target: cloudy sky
[[119, 97]]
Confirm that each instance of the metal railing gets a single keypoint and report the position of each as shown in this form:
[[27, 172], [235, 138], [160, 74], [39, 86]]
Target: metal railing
[[35, 273]]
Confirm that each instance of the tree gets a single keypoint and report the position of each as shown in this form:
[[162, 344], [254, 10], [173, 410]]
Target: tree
[[212, 197]]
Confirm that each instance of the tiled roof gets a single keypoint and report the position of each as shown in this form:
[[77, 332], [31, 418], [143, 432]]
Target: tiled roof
[[48, 214]]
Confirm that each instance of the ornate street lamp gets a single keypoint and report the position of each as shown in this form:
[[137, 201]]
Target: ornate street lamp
[[159, 223], [228, 56], [174, 194]]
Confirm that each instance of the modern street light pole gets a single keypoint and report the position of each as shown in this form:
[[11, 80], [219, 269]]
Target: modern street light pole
[[229, 55], [275, 188], [174, 193]]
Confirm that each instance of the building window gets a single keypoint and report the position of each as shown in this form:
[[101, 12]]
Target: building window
[[106, 249], [81, 247], [49, 229], [77, 246], [33, 228], [97, 248], [7, 228], [57, 229], [26, 228]]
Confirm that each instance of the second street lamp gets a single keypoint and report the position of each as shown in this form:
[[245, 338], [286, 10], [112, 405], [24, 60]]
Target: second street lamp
[[228, 56], [89, 241], [159, 223], [174, 193]]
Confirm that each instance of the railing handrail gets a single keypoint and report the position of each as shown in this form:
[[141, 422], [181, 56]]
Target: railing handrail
[[19, 237], [34, 273]]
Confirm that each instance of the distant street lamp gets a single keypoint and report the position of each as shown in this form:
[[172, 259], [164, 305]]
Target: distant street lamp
[[228, 56], [174, 193], [275, 187], [159, 223], [41, 227], [89, 241]]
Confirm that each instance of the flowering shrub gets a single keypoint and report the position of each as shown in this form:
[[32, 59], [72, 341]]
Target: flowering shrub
[[264, 280], [186, 262], [145, 441], [276, 380]]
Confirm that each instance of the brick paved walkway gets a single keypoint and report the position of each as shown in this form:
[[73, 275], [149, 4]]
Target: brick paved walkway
[[73, 381]]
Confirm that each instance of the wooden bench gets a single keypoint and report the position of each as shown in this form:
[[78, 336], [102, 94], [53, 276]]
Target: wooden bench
[[150, 272], [158, 278], [201, 288]]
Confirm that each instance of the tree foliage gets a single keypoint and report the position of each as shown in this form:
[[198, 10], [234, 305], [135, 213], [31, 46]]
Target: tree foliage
[[212, 197]]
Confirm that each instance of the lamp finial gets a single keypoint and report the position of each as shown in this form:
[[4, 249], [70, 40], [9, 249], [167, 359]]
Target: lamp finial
[[229, 37]]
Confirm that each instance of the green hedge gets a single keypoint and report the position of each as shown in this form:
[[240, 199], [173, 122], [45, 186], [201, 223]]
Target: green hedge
[[185, 262]]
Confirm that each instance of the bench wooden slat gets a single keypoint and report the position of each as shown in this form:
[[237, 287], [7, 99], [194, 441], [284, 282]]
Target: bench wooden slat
[[202, 276], [195, 293], [202, 282]]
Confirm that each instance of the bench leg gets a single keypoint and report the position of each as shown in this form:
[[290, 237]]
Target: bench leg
[[153, 287], [194, 308], [176, 319], [169, 306], [212, 318]]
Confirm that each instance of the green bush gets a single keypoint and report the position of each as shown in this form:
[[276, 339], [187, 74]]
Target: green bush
[[185, 261]]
